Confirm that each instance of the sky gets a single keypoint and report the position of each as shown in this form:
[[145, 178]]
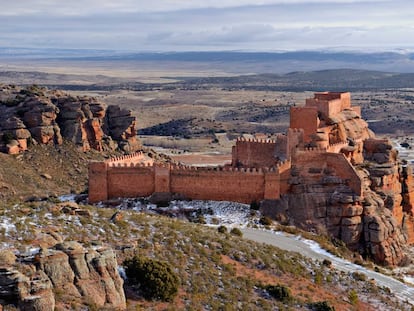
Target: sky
[[208, 25]]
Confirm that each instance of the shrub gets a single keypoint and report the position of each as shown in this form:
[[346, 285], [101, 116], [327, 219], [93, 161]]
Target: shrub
[[353, 297], [236, 231], [321, 306], [254, 205], [327, 263], [7, 137], [200, 220], [359, 276], [266, 221], [156, 279], [222, 229], [279, 292]]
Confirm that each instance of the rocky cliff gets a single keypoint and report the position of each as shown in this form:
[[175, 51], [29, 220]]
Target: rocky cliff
[[38, 115], [63, 276], [378, 222]]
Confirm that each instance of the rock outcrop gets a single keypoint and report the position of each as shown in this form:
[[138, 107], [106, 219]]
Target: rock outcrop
[[37, 115], [366, 201], [45, 278], [371, 224]]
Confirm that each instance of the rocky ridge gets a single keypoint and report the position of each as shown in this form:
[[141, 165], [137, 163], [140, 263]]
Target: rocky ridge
[[36, 115]]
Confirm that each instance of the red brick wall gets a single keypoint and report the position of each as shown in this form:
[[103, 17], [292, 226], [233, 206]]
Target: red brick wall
[[254, 153], [130, 181], [201, 184], [98, 185], [239, 185], [305, 118]]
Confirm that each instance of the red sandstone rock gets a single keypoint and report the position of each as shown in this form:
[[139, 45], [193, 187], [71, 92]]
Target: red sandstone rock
[[339, 178], [68, 269], [46, 116]]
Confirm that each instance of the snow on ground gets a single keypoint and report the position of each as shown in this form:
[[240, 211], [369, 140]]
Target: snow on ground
[[409, 279], [67, 198], [214, 212], [7, 225], [403, 152]]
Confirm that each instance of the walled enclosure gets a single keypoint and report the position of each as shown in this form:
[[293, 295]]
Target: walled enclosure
[[260, 169], [109, 180]]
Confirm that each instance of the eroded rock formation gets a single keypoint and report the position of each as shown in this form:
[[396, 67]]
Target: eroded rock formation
[[37, 115], [367, 204], [42, 280]]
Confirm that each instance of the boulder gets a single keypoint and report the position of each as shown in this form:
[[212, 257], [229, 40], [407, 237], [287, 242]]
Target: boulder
[[68, 268]]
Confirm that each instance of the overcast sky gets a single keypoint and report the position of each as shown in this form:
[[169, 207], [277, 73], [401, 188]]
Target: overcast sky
[[201, 25]]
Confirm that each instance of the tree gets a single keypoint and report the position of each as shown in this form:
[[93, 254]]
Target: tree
[[155, 279]]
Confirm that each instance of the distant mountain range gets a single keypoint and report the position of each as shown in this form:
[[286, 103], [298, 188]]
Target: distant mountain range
[[332, 79], [237, 62]]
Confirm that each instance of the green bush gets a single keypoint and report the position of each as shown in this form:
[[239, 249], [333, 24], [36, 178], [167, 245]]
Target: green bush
[[156, 279], [321, 306], [7, 137], [279, 292], [236, 231], [222, 229], [266, 221], [359, 276], [353, 297]]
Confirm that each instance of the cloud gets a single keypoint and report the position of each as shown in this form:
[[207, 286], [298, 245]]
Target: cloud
[[211, 24], [87, 7]]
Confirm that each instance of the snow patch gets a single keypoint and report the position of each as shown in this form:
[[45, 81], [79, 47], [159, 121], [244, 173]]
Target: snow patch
[[7, 225], [409, 279], [67, 198], [122, 273], [214, 212]]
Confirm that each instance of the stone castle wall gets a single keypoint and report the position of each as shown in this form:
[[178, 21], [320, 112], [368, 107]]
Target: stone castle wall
[[313, 163], [254, 153], [305, 118], [127, 178]]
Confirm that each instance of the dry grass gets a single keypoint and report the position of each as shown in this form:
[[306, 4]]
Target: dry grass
[[216, 270]]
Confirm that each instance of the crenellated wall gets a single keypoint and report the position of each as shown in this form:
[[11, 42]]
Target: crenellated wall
[[336, 148], [137, 157], [245, 185], [254, 153]]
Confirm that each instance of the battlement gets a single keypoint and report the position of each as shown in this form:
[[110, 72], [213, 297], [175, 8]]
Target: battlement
[[254, 140], [244, 184], [254, 153], [129, 158], [336, 148], [284, 166]]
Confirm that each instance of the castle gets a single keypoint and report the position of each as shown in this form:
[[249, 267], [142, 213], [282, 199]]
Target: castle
[[260, 169], [327, 173]]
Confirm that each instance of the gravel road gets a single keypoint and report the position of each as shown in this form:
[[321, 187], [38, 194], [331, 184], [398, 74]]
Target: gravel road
[[312, 250]]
